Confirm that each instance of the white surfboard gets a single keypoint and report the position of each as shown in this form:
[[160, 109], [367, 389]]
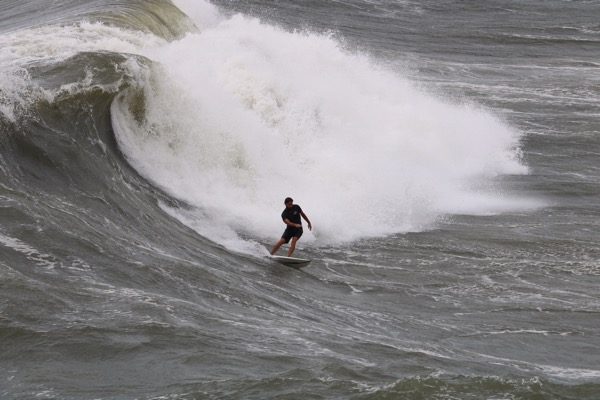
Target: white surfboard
[[291, 261]]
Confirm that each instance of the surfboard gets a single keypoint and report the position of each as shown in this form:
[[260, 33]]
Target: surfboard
[[291, 261]]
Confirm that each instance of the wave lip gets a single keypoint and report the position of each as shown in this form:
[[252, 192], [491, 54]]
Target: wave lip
[[158, 17]]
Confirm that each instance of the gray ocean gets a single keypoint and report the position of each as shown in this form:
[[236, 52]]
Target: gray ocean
[[446, 152]]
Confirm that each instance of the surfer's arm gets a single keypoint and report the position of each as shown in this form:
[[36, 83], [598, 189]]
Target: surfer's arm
[[306, 219], [290, 223]]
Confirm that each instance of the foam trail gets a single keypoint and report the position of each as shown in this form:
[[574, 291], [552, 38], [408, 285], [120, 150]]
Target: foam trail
[[242, 114]]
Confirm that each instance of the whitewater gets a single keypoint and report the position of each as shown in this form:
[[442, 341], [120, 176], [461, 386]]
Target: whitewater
[[242, 114]]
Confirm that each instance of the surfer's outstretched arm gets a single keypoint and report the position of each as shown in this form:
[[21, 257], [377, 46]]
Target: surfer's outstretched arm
[[306, 219]]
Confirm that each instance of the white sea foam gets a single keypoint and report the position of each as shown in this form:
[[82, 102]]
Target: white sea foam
[[242, 114], [203, 13], [32, 254]]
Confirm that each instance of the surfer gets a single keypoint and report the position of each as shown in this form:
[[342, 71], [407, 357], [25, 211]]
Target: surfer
[[291, 217]]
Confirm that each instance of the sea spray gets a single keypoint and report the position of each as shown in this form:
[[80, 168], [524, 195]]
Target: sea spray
[[241, 114]]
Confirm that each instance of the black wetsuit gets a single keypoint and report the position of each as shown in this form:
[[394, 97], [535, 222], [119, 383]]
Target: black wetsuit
[[292, 215]]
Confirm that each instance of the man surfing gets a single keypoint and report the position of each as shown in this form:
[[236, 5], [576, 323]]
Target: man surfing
[[291, 217]]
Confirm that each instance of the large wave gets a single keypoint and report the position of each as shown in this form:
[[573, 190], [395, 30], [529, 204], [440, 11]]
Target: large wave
[[241, 114]]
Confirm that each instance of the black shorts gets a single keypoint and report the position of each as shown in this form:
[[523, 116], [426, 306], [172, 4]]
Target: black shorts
[[291, 232]]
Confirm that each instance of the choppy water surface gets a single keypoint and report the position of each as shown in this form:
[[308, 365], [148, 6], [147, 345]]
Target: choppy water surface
[[447, 154]]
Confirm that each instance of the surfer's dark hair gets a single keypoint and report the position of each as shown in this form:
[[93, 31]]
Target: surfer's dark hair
[[288, 200]]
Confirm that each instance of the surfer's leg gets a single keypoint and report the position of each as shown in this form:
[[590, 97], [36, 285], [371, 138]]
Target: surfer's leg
[[293, 245], [285, 238], [277, 246]]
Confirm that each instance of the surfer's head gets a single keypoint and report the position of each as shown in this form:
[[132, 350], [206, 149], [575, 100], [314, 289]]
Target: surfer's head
[[288, 202]]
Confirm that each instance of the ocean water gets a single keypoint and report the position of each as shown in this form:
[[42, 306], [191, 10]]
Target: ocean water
[[447, 154]]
